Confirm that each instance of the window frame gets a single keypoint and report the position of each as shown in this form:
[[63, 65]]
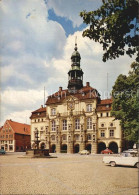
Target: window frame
[[53, 125], [77, 123], [89, 107], [53, 111], [64, 125], [111, 132], [89, 123]]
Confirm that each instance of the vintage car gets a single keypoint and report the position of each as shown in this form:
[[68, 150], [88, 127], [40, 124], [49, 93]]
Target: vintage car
[[2, 151], [84, 152], [125, 159], [106, 151]]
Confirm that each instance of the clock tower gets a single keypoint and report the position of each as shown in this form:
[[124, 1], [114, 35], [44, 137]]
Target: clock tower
[[75, 74]]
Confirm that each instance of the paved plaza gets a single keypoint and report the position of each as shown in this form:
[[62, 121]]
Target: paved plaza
[[66, 174]]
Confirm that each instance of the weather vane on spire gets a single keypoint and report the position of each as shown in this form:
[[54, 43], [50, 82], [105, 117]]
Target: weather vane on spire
[[75, 43]]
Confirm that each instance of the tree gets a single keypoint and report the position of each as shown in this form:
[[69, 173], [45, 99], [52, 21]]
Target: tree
[[125, 106], [115, 26]]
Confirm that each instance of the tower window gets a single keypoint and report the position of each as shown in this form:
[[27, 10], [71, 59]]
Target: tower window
[[89, 123], [64, 124]]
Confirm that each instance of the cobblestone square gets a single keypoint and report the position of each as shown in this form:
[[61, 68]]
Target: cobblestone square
[[66, 174]]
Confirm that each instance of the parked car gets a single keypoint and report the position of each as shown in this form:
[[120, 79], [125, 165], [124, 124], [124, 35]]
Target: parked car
[[125, 159], [2, 151], [106, 151], [84, 152]]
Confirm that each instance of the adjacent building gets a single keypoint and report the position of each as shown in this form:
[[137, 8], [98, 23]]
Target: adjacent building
[[76, 118], [15, 137]]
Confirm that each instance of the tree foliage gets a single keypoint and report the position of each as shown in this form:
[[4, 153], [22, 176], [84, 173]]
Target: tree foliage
[[125, 106], [115, 26]]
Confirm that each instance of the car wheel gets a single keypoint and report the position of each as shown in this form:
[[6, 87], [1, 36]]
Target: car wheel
[[137, 165], [113, 164]]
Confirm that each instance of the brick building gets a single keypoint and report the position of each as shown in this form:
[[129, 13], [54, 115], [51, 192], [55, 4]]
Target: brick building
[[14, 136]]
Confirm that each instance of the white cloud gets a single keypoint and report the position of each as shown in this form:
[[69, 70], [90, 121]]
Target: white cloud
[[36, 53], [72, 9], [22, 116]]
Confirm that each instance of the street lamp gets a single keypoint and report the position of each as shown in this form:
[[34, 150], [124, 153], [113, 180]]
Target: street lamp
[[37, 138]]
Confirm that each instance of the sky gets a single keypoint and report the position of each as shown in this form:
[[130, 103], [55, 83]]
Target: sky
[[37, 41]]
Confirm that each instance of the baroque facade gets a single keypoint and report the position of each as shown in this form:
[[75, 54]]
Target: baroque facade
[[76, 118]]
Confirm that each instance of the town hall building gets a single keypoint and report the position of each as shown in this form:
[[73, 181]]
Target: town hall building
[[76, 118]]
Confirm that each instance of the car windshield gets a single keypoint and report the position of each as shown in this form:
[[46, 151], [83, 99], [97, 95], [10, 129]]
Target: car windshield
[[129, 154]]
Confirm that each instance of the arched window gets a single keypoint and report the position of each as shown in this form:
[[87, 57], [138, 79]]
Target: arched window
[[89, 123], [77, 123], [64, 124], [53, 125]]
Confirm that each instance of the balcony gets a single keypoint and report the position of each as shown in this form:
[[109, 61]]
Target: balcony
[[74, 113]]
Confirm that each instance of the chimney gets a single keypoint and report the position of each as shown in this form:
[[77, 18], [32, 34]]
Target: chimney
[[60, 88], [87, 84], [41, 106]]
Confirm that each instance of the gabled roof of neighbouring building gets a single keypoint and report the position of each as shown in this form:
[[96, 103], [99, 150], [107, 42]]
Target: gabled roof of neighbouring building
[[19, 128]]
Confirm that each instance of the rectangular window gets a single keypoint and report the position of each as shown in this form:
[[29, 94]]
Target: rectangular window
[[102, 133], [101, 114], [89, 108], [89, 123], [53, 111], [10, 147], [6, 136], [77, 123], [107, 114], [53, 125], [111, 133], [64, 124]]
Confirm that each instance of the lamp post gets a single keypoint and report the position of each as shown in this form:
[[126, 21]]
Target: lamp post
[[37, 138]]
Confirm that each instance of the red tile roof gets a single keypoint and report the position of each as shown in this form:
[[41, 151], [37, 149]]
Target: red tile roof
[[20, 127], [86, 92], [104, 105], [41, 111]]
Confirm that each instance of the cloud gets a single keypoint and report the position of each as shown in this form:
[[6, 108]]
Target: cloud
[[36, 53], [16, 102], [72, 9]]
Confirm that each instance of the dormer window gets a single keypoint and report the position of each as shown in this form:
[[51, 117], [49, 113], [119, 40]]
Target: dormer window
[[53, 111], [89, 108]]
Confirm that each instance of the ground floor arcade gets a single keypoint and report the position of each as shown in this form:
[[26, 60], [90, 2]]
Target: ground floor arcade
[[115, 146]]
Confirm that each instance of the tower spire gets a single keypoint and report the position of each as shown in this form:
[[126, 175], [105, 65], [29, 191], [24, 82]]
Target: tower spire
[[75, 74], [75, 43]]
